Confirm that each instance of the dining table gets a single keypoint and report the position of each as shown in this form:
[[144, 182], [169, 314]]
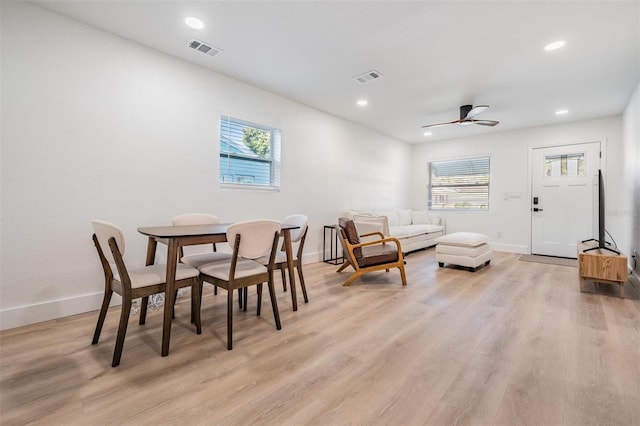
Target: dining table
[[185, 235]]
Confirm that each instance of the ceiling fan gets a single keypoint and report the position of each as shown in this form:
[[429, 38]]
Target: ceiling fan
[[467, 114]]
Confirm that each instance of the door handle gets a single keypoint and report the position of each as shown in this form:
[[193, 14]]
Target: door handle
[[535, 209]]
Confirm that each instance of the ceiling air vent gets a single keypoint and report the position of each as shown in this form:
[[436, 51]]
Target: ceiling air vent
[[368, 76], [204, 47]]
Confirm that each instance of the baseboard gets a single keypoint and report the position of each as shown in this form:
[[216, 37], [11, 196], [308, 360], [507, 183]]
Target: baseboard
[[39, 312], [31, 314], [509, 248]]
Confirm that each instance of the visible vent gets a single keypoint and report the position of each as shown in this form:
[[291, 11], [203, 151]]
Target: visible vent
[[204, 47], [368, 76]]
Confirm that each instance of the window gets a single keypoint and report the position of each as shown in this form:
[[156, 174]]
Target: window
[[564, 165], [459, 184], [249, 154]]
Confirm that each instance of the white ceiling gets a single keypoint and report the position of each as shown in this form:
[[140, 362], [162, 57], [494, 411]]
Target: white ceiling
[[434, 55]]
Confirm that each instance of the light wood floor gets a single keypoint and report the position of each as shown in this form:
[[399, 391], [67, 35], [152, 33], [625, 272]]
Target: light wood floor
[[514, 343]]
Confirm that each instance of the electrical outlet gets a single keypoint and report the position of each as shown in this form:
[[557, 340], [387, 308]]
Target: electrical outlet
[[499, 235]]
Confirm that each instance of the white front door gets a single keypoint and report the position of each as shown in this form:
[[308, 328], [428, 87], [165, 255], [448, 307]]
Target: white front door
[[562, 205]]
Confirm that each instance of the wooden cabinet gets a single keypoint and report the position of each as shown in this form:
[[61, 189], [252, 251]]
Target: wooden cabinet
[[601, 266]]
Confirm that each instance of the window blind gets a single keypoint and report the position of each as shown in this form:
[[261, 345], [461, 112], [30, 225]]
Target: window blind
[[249, 153], [459, 184]]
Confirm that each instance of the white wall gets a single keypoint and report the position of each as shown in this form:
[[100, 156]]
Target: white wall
[[510, 151], [94, 126], [630, 214]]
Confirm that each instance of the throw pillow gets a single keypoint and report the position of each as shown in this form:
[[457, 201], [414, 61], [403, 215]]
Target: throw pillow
[[381, 221]]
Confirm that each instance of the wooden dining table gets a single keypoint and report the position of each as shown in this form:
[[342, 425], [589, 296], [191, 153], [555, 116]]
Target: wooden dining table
[[185, 235]]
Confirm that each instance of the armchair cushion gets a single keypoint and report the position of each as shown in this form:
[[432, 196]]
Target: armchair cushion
[[351, 232], [378, 254]]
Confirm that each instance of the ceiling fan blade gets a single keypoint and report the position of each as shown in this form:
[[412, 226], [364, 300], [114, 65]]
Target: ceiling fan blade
[[476, 110], [484, 122], [441, 124]]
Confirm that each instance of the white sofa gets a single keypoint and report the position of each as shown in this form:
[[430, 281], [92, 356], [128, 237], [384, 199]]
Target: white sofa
[[415, 229]]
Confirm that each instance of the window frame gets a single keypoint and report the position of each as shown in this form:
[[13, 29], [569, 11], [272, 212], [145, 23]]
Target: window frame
[[431, 195], [231, 180]]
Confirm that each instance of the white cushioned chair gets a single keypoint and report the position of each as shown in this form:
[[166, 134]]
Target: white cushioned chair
[[250, 240], [298, 237], [200, 258], [133, 283]]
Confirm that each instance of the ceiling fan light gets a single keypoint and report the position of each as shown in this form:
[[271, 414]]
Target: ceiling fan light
[[465, 123], [562, 112]]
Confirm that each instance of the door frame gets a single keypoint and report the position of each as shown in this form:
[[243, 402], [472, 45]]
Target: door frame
[[603, 167]]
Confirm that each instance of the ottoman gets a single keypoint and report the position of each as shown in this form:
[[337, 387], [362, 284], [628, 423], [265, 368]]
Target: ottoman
[[466, 249]]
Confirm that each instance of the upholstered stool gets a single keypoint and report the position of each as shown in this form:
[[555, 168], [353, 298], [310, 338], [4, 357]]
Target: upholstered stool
[[466, 249]]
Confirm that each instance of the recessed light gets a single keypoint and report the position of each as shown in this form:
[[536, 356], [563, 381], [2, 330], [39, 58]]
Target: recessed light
[[194, 23], [555, 45], [562, 112], [362, 102], [428, 133]]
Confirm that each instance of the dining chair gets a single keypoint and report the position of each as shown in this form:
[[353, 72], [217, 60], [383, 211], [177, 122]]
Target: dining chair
[[250, 240], [201, 258], [133, 283], [298, 237]]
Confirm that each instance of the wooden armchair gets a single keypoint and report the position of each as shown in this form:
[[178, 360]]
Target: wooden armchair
[[364, 257]]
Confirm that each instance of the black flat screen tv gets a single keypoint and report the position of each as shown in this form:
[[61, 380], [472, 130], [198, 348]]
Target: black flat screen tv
[[602, 231]]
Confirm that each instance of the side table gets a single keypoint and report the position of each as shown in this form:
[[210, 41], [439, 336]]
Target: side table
[[331, 255]]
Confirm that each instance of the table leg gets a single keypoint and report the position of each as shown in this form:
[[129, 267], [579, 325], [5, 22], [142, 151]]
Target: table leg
[[151, 251], [151, 258], [290, 265], [169, 294]]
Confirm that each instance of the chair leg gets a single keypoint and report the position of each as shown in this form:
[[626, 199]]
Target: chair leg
[[352, 278], [274, 302], [259, 288], [284, 279], [196, 298], [215, 290], [304, 288], [173, 309], [240, 298], [122, 330], [230, 318], [403, 275], [344, 266], [245, 296], [103, 314], [143, 310]]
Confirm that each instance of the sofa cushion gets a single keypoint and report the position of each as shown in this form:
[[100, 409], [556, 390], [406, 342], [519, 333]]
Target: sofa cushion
[[470, 239], [412, 230], [404, 217], [420, 217], [435, 218], [392, 217]]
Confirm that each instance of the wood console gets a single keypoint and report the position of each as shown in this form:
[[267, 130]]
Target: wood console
[[601, 266]]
